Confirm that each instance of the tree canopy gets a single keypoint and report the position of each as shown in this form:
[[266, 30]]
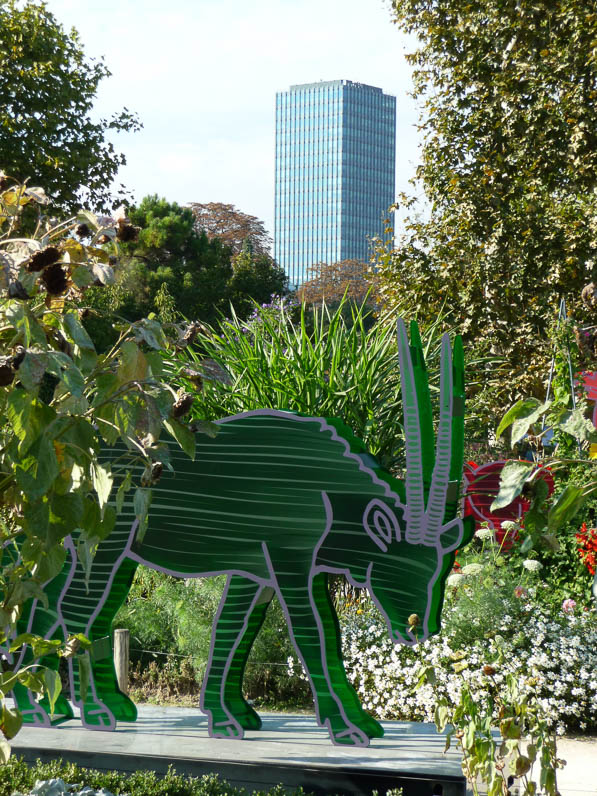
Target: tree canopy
[[332, 282], [47, 90], [231, 226], [169, 261], [509, 171]]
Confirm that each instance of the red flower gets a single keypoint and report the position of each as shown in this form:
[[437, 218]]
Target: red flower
[[587, 547]]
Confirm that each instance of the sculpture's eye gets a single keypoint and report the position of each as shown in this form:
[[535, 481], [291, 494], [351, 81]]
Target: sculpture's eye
[[381, 524]]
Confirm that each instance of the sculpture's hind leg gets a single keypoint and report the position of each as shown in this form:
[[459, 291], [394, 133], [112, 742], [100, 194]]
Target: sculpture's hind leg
[[90, 610], [241, 613], [43, 622]]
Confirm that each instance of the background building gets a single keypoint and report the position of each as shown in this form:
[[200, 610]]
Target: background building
[[335, 172]]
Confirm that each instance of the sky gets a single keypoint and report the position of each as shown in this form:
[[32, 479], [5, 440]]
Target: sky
[[202, 76]]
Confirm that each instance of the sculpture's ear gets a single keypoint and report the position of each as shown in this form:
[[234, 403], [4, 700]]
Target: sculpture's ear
[[452, 536], [381, 524]]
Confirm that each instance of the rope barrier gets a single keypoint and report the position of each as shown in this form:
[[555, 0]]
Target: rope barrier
[[190, 657]]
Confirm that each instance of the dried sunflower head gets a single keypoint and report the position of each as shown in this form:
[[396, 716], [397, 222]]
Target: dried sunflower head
[[54, 279], [183, 405], [43, 258], [127, 233]]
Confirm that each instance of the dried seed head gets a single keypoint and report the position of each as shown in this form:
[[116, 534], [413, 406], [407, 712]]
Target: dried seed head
[[43, 258], [413, 620], [7, 374], [189, 334], [488, 670], [83, 231], [127, 233], [194, 376], [18, 357], [183, 405], [54, 279]]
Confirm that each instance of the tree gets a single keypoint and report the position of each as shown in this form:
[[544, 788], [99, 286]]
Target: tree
[[171, 261], [170, 251], [509, 170], [47, 89], [255, 278], [231, 227], [329, 283]]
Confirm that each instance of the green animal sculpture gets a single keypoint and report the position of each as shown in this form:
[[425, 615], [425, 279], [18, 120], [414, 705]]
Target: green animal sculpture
[[278, 501]]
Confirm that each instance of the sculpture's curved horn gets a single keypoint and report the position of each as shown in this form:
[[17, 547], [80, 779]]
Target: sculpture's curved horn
[[438, 493], [415, 497]]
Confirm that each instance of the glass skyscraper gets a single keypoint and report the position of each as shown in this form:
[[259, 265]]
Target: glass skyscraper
[[335, 169]]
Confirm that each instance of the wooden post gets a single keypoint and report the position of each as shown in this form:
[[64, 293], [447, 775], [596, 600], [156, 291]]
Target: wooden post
[[121, 658]]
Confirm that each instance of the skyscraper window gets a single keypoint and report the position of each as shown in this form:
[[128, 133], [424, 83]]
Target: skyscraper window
[[335, 169]]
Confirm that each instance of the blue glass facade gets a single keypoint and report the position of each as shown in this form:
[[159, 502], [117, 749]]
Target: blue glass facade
[[335, 167]]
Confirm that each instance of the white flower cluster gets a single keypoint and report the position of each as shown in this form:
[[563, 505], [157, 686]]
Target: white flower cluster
[[557, 660]]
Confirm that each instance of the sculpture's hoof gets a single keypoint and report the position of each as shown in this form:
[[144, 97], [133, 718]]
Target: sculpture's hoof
[[246, 716], [120, 706], [371, 726], [97, 716], [229, 728], [350, 735], [36, 716]]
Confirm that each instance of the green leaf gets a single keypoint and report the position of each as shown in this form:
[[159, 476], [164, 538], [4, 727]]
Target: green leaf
[[102, 483], [62, 366], [122, 490], [579, 426], [513, 477], [183, 435], [141, 503], [36, 474], [32, 369], [133, 365], [84, 675], [86, 549], [74, 329], [565, 506], [77, 331], [49, 563], [523, 409], [206, 427], [28, 417], [521, 416]]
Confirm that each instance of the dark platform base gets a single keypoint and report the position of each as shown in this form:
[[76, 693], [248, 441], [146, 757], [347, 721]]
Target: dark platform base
[[289, 749]]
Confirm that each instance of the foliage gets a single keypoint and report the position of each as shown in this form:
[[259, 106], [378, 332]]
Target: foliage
[[508, 169], [231, 227], [22, 777], [47, 90], [330, 283], [506, 658], [174, 619], [60, 402], [576, 476], [168, 253], [168, 259], [339, 369], [255, 278]]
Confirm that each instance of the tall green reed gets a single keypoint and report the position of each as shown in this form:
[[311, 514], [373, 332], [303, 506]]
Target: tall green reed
[[328, 363]]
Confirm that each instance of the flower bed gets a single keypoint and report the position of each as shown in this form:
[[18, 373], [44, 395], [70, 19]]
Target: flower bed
[[556, 657]]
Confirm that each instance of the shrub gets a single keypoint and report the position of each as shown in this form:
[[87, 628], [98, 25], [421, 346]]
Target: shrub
[[17, 775]]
